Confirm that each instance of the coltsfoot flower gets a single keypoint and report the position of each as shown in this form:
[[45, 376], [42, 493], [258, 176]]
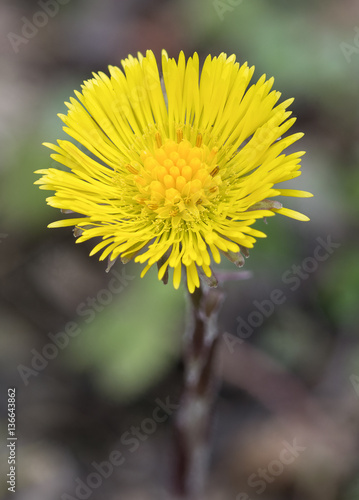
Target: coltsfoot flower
[[173, 172]]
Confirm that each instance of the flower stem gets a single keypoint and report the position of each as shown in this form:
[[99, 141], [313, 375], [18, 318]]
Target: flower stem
[[193, 422]]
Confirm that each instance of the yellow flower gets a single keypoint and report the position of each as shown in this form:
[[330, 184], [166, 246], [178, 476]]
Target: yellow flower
[[173, 172]]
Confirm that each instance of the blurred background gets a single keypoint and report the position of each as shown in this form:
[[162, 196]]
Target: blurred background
[[91, 366]]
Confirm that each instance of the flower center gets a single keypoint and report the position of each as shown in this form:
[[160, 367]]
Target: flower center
[[178, 179]]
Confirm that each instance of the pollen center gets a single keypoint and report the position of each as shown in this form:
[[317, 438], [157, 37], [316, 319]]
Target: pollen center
[[178, 179]]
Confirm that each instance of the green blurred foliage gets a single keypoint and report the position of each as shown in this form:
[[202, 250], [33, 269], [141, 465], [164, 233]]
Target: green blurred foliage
[[298, 44], [133, 342], [23, 204], [341, 288]]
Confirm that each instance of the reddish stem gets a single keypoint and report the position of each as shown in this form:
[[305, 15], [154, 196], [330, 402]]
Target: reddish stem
[[193, 420]]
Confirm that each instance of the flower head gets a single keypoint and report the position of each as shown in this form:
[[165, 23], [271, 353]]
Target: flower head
[[173, 172]]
